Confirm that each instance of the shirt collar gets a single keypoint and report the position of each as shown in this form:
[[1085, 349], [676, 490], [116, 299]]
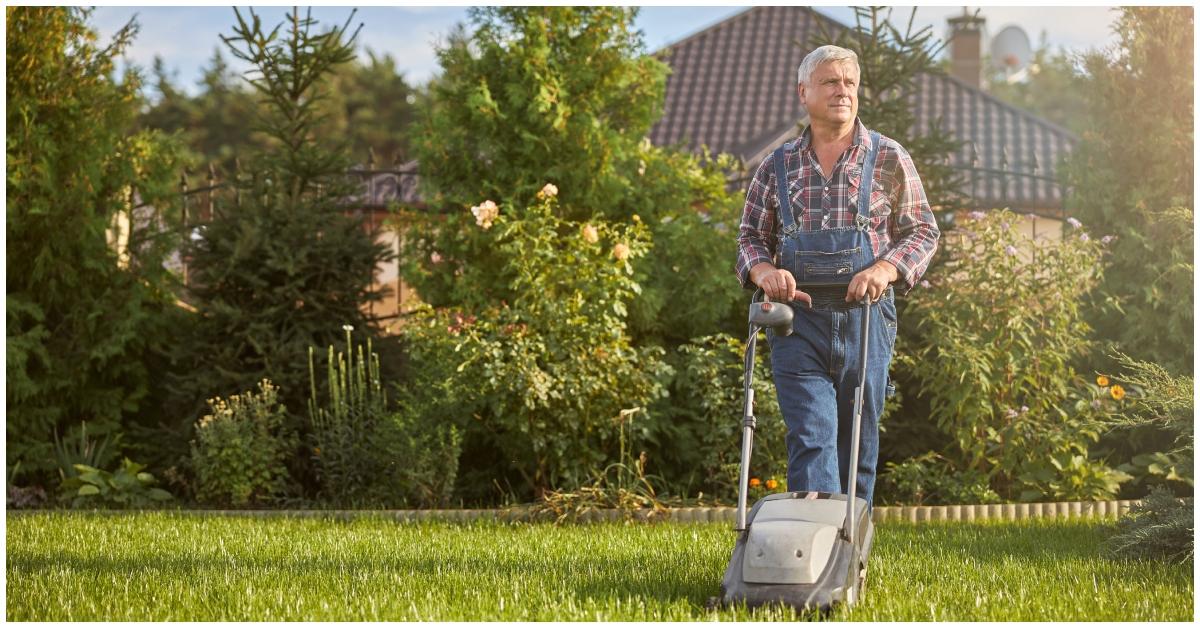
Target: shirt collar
[[861, 136]]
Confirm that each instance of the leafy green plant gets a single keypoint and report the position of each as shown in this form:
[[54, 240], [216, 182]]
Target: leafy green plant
[[997, 332], [1072, 477], [1162, 527], [241, 448], [696, 429], [69, 452], [535, 380], [367, 453], [932, 479], [126, 487]]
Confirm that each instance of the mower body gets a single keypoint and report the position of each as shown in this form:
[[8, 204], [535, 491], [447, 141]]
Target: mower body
[[794, 550]]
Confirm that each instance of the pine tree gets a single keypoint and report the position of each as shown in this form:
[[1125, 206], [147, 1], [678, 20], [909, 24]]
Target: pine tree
[[285, 262]]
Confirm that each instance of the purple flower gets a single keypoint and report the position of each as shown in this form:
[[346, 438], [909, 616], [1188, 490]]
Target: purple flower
[[1011, 250], [1107, 239], [1083, 237], [976, 215], [1004, 225], [924, 283], [1074, 223], [1024, 409], [1010, 413], [1096, 404]]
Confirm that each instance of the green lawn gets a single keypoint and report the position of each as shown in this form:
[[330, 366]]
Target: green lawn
[[167, 566]]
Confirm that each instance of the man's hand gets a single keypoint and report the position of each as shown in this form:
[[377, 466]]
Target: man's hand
[[778, 284], [872, 281]]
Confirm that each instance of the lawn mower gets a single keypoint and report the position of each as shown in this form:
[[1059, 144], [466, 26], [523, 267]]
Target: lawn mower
[[807, 550]]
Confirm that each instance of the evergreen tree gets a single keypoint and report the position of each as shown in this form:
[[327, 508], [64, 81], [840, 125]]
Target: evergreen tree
[[890, 61], [1132, 177], [86, 282], [285, 262]]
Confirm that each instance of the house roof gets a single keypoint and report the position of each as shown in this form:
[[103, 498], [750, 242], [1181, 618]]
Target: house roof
[[732, 90]]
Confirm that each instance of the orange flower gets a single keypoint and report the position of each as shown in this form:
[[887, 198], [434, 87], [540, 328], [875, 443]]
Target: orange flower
[[755, 482], [1117, 392], [772, 484], [1101, 381], [621, 251]]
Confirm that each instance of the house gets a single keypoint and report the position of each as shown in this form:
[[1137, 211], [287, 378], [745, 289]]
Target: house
[[732, 90]]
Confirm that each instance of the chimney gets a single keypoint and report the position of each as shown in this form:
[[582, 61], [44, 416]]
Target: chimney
[[966, 43]]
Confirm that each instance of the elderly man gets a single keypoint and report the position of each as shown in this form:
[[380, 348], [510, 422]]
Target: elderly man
[[835, 216]]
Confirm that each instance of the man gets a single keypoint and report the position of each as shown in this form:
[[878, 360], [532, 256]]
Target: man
[[822, 245]]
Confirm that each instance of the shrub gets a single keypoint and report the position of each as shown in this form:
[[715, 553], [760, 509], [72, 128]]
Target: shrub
[[996, 335], [931, 479], [1162, 527], [86, 283], [696, 430], [536, 381], [368, 454], [126, 487], [241, 448]]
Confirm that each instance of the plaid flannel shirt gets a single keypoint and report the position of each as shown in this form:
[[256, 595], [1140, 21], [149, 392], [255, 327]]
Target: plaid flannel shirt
[[903, 230]]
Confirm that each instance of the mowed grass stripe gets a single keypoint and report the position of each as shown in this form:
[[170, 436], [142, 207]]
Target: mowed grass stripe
[[175, 566]]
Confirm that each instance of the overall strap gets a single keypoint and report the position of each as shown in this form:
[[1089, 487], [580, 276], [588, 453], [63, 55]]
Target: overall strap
[[867, 182], [781, 190]]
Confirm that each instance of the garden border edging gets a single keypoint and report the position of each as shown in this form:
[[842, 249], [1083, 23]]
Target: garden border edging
[[1103, 509]]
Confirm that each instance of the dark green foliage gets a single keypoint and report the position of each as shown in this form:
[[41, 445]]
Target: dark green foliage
[[241, 449], [287, 266], [930, 479], [73, 450], [365, 452], [84, 294], [1162, 527], [126, 487], [695, 433], [1132, 176], [890, 60]]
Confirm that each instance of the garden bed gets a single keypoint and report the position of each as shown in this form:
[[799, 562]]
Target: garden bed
[[179, 566]]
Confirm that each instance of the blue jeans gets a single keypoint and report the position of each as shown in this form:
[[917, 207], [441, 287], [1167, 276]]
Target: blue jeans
[[816, 370]]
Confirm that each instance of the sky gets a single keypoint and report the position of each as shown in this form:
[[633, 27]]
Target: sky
[[185, 37]]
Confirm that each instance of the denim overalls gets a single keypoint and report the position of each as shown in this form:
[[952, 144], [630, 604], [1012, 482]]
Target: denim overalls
[[816, 369]]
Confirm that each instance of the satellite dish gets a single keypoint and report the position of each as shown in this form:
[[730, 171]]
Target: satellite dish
[[1010, 50]]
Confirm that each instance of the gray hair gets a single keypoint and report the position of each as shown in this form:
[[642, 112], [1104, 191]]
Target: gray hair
[[824, 54]]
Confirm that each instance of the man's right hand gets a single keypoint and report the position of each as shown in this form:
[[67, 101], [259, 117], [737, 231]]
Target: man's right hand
[[778, 284]]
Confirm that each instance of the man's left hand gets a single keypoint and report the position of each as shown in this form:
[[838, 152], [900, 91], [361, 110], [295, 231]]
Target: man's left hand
[[872, 281]]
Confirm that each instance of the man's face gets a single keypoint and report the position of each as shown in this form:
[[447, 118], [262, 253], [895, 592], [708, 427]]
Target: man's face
[[832, 94]]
